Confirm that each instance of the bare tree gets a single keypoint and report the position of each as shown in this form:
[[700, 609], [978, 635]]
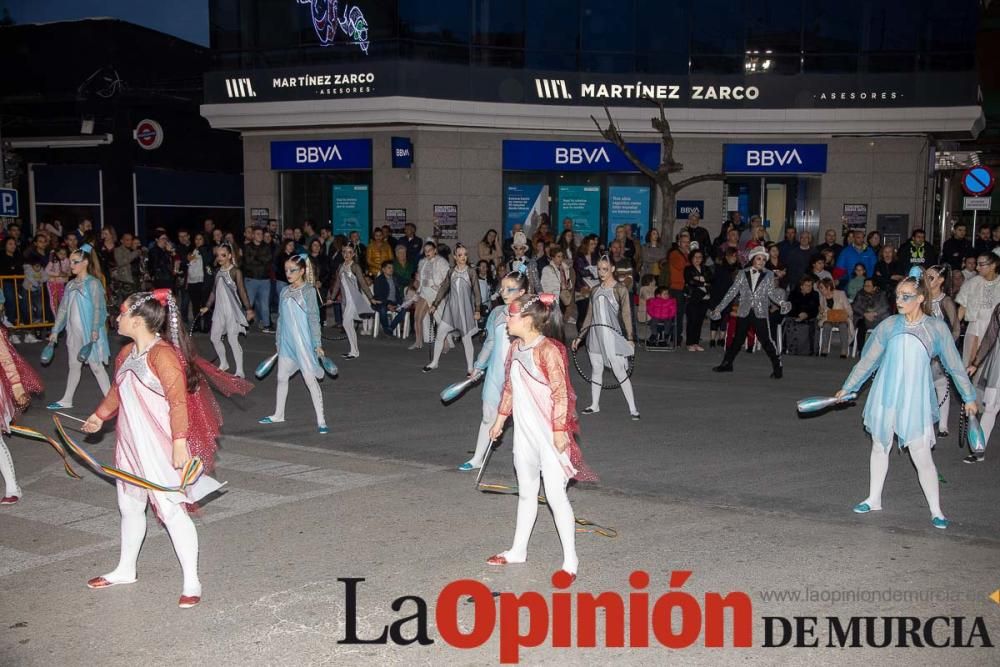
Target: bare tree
[[666, 187]]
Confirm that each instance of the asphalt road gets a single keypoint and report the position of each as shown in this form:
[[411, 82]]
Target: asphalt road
[[720, 477]]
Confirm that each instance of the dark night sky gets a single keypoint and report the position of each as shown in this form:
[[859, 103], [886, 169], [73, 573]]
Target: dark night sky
[[187, 19]]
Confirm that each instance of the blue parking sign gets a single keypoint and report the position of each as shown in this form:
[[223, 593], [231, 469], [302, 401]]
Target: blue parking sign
[[8, 203]]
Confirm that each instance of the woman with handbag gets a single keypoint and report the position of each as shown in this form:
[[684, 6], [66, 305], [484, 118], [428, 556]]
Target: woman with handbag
[[697, 279], [557, 277], [834, 311]]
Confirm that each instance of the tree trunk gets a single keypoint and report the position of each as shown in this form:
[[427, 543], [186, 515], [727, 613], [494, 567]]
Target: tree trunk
[[668, 202]]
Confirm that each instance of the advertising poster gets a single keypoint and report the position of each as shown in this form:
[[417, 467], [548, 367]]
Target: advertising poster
[[350, 210], [445, 221], [396, 219], [524, 205], [856, 216], [582, 203], [628, 205]]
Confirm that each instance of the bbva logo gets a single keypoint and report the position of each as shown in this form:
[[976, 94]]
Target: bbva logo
[[574, 155], [769, 158], [316, 154]]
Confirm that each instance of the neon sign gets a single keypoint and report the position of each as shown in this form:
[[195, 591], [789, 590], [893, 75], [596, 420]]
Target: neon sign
[[326, 21]]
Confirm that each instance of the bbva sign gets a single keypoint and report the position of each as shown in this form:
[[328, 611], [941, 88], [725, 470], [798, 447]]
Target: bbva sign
[[774, 158]]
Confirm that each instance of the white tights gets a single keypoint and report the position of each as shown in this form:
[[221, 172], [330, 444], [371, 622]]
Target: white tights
[[991, 406], [941, 387], [73, 379], [286, 369], [597, 377], [442, 334], [232, 333], [7, 470], [528, 463], [179, 526], [483, 440], [352, 337], [920, 454]]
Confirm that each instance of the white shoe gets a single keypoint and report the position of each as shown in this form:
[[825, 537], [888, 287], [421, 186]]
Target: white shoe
[[31, 338], [415, 346], [15, 339]]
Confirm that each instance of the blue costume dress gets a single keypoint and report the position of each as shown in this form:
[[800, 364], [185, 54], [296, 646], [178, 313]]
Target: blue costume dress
[[83, 312], [298, 332], [493, 361], [902, 400]]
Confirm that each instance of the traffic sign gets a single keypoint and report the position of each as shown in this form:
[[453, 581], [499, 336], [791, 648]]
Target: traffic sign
[[978, 181], [8, 203], [977, 203], [148, 134]]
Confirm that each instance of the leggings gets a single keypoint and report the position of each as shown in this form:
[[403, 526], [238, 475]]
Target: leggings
[[232, 333], [442, 334], [991, 406], [7, 470], [483, 439], [530, 459], [597, 377], [944, 401], [73, 379], [286, 369], [179, 526], [350, 328], [920, 454]]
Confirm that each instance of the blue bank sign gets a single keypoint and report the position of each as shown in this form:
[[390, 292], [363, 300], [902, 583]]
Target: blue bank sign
[[575, 156], [339, 154], [774, 159]]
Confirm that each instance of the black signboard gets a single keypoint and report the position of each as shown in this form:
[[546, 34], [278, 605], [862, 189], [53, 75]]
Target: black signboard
[[461, 82]]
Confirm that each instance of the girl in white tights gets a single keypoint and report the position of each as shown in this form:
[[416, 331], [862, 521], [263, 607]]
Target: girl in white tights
[[538, 394], [902, 403], [298, 339], [988, 360], [17, 381], [232, 310], [610, 306], [458, 300]]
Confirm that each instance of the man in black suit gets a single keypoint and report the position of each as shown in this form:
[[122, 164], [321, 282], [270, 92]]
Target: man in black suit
[[388, 294]]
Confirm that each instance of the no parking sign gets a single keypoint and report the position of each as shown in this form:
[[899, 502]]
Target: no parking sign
[[978, 181], [148, 134]]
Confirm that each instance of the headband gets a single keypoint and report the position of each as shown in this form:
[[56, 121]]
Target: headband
[[916, 273], [86, 248], [166, 299]]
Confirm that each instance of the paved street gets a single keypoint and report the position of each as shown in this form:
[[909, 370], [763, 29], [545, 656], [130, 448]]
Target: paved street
[[720, 477]]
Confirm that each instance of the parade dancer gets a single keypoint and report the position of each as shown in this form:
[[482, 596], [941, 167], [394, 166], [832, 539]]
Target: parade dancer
[[942, 307], [17, 381], [165, 416], [83, 313], [901, 402], [431, 274], [611, 305], [756, 288], [356, 297], [460, 294], [298, 339], [232, 313], [492, 361], [987, 361], [538, 393]]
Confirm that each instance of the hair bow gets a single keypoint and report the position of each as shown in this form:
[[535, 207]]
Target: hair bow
[[916, 272], [162, 295], [547, 299], [522, 268], [303, 256], [86, 248]]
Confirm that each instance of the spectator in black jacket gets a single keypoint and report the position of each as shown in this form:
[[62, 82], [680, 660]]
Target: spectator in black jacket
[[388, 293], [414, 245], [698, 233], [805, 308], [830, 242], [161, 262], [258, 258], [917, 252], [984, 241], [957, 248], [722, 279], [324, 276], [870, 307]]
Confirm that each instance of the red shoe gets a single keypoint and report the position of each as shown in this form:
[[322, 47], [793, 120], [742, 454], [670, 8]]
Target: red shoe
[[498, 559], [188, 601], [572, 576], [9, 500], [101, 582]]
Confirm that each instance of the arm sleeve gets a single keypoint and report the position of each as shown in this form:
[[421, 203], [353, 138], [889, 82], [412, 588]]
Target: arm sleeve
[[625, 305], [312, 312], [109, 405], [778, 296], [167, 368], [483, 360], [506, 397], [96, 296], [734, 289], [962, 298], [477, 296], [443, 290], [362, 283], [335, 289], [242, 290], [211, 295], [989, 339], [62, 315], [590, 315], [871, 357], [952, 361], [950, 310], [550, 358]]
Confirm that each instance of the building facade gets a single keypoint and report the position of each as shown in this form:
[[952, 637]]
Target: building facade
[[467, 115]]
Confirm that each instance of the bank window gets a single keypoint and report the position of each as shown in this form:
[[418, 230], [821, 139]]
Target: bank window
[[950, 26], [443, 21], [499, 23], [607, 26], [774, 25], [662, 31], [553, 25], [717, 27], [282, 25], [832, 27], [892, 26]]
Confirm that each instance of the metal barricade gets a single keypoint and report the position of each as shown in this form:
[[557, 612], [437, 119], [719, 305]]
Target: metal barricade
[[26, 309]]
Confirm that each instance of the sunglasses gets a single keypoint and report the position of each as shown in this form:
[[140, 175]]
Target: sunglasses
[[906, 297]]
